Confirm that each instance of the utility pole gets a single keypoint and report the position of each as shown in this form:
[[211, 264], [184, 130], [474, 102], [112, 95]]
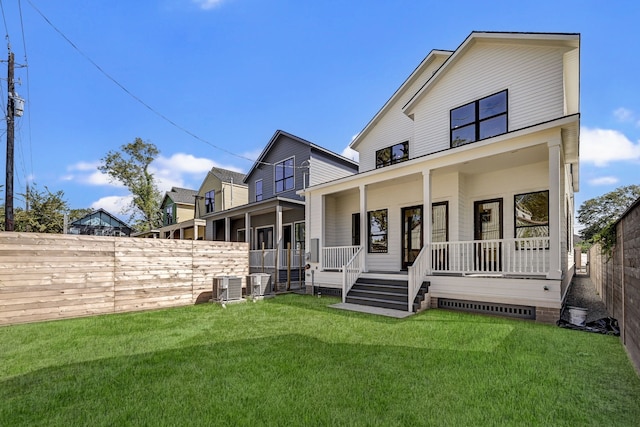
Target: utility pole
[[8, 203]]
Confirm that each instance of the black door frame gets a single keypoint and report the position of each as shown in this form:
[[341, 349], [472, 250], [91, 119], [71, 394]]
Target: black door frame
[[495, 259], [405, 248]]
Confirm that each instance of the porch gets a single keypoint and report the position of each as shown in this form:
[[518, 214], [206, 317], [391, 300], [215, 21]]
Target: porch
[[502, 257], [286, 266], [505, 276]]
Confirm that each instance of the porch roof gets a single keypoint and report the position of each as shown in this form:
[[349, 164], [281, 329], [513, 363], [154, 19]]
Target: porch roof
[[255, 208], [450, 157]]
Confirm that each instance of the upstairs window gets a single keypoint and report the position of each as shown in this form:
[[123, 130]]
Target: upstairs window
[[168, 215], [392, 155], [479, 119], [258, 190], [210, 201], [284, 175]]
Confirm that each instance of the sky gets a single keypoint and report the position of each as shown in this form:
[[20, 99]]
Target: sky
[[210, 81]]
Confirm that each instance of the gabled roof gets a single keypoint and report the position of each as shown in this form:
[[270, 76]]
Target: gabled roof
[[183, 196], [566, 39], [226, 175], [571, 39], [100, 211], [278, 134], [428, 60]]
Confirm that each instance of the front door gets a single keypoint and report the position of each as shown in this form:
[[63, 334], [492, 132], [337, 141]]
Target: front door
[[488, 226], [411, 234]]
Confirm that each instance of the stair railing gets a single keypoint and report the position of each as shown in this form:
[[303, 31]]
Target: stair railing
[[416, 274], [351, 272]]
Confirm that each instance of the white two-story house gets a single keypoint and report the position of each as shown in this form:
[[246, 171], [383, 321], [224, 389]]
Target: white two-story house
[[464, 195]]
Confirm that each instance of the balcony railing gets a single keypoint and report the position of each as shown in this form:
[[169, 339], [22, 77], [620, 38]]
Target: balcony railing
[[504, 256]]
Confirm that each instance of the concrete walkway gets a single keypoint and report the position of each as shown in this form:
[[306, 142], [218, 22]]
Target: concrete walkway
[[372, 310]]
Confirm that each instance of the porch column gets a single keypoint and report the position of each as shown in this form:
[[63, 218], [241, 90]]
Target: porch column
[[247, 229], [181, 233], [555, 270], [278, 230], [195, 231], [426, 215], [364, 226], [227, 229]]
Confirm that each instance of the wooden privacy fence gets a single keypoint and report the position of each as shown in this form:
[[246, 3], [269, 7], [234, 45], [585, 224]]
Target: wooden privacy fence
[[617, 279], [49, 276]]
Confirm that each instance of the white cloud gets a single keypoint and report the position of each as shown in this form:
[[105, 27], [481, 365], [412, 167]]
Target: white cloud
[[604, 180], [352, 154], [623, 114], [184, 163], [113, 204], [603, 146], [84, 166], [207, 4]]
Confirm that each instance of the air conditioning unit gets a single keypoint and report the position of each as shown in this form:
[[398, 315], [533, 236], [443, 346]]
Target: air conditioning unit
[[259, 284], [227, 288]]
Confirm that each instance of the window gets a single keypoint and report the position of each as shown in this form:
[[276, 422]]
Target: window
[[264, 236], [210, 201], [531, 214], [355, 229], [392, 155], [284, 175], [258, 190], [299, 235], [168, 215], [440, 222], [378, 231], [479, 119]]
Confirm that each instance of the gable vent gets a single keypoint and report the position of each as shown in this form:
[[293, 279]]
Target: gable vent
[[506, 310]]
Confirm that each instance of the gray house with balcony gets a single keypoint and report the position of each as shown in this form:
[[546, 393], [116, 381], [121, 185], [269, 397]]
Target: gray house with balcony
[[274, 219]]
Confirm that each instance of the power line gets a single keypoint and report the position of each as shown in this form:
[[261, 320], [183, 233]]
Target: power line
[[142, 102], [139, 100], [6, 28], [26, 65]]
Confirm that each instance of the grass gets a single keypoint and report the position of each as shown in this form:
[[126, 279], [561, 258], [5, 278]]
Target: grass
[[292, 360]]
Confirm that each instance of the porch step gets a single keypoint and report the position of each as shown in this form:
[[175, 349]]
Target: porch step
[[383, 293], [422, 292]]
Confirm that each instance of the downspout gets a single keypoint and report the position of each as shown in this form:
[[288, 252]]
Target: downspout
[[231, 193]]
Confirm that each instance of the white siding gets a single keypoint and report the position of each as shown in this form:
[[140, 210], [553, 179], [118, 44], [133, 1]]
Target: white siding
[[506, 291], [394, 127], [533, 76], [321, 171]]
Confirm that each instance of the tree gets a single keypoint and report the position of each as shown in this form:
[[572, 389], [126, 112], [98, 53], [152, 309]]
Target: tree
[[598, 214], [46, 211], [130, 166]]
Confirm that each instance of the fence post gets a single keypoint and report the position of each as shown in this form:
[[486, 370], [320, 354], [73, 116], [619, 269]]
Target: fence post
[[289, 266]]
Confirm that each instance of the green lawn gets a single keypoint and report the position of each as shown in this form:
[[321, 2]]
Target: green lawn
[[292, 360]]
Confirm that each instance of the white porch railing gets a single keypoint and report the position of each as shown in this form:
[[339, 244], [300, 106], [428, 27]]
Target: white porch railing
[[262, 258], [504, 256], [351, 270], [416, 275], [334, 258], [267, 258]]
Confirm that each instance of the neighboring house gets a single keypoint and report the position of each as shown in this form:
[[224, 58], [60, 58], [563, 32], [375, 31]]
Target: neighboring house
[[274, 218], [466, 183], [177, 213], [221, 189], [99, 223]]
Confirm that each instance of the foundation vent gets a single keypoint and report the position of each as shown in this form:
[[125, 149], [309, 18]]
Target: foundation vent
[[506, 310]]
